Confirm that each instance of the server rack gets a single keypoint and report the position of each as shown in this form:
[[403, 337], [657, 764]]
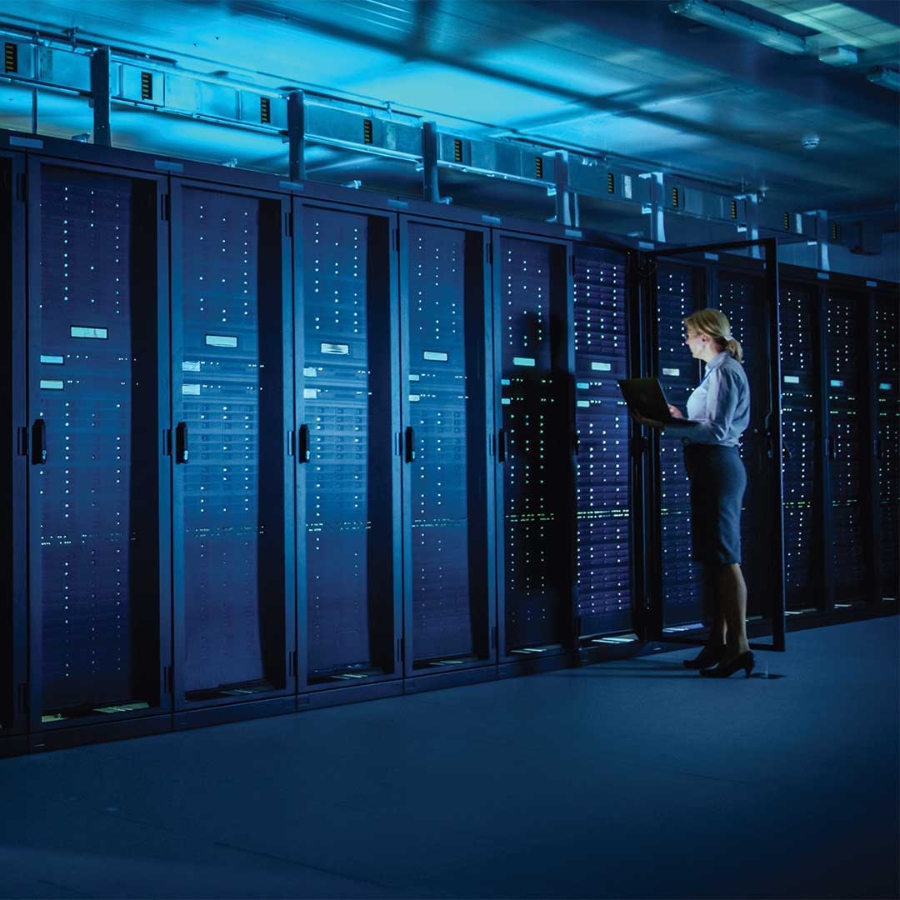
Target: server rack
[[679, 288], [231, 401], [803, 455], [449, 578], [603, 584], [887, 443], [348, 452], [847, 558], [96, 484], [534, 446]]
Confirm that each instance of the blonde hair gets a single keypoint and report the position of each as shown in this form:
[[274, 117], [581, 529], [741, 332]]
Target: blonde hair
[[716, 325]]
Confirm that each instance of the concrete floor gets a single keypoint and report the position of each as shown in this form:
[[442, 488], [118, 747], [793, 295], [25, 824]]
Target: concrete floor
[[625, 779]]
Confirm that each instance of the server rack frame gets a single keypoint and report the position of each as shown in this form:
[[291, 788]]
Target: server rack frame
[[382, 259], [480, 488], [188, 713], [13, 461], [515, 660], [653, 625], [88, 729]]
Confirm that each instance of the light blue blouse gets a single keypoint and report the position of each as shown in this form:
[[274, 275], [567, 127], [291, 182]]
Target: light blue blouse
[[720, 404]]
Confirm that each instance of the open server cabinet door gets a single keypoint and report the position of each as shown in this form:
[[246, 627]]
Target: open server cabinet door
[[672, 284]]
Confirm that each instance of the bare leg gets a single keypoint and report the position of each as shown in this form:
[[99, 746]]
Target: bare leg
[[731, 594], [719, 627]]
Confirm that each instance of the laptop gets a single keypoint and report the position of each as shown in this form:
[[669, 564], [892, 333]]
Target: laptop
[[646, 396]]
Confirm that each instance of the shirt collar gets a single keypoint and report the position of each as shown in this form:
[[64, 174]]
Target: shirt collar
[[717, 360]]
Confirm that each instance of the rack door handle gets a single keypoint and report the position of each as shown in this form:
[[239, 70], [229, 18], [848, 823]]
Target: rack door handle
[[181, 443], [501, 445], [303, 447], [409, 444], [39, 442]]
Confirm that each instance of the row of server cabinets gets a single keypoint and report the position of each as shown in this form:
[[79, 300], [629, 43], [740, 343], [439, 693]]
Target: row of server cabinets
[[267, 448]]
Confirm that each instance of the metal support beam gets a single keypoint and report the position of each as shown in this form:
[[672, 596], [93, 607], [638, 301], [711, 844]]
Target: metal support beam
[[296, 133], [752, 208], [100, 94], [822, 261], [563, 194], [656, 207], [430, 186]]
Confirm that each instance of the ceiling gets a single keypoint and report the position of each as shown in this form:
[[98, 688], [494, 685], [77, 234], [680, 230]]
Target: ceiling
[[629, 80]]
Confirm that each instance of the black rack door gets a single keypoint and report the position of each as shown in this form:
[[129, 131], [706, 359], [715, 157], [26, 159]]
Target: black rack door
[[348, 451], [682, 589], [847, 448], [887, 441], [448, 577], [802, 456], [229, 444], [93, 441], [603, 602], [535, 445]]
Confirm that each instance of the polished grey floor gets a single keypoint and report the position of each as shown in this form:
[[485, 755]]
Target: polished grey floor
[[626, 779]]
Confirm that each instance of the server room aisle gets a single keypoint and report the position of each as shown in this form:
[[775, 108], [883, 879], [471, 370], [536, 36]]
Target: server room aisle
[[625, 779]]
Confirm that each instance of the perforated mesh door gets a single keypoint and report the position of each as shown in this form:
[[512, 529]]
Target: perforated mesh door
[[678, 374], [603, 588], [801, 451], [887, 341], [845, 397], [533, 401], [94, 387], [347, 480], [230, 391], [438, 412]]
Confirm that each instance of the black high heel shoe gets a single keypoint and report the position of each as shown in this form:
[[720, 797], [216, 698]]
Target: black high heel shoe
[[708, 657], [745, 661]]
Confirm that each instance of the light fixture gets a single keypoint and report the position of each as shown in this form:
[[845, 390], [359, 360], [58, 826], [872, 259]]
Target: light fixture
[[839, 56], [889, 78], [710, 14]]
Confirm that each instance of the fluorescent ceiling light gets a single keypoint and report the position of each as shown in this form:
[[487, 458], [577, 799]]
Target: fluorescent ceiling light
[[889, 78], [839, 56], [710, 14]]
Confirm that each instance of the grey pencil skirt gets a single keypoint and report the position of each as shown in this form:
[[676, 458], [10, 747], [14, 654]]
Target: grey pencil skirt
[[717, 481]]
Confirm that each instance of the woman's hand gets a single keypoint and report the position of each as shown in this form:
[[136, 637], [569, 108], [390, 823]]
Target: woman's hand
[[675, 412]]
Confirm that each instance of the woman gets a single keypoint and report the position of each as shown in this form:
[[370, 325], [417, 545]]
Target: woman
[[720, 405]]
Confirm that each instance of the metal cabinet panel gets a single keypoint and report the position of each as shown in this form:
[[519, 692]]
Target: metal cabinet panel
[[846, 433], [95, 455], [679, 375], [448, 580], [13, 464], [887, 440], [536, 443], [345, 339], [802, 449], [229, 444], [603, 601]]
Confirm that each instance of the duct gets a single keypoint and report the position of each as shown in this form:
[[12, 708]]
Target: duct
[[152, 87]]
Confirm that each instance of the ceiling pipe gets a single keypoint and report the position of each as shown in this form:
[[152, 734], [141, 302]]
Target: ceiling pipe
[[710, 14]]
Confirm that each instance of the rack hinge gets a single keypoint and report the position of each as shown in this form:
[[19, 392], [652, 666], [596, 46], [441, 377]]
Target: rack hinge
[[165, 207]]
